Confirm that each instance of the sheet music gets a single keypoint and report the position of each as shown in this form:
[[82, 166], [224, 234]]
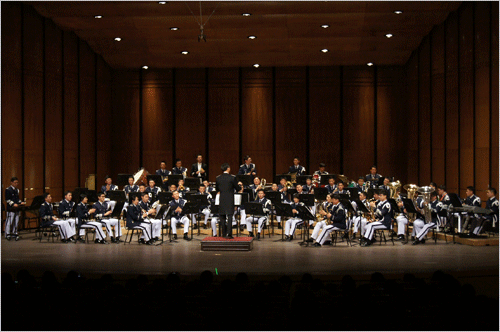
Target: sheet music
[[217, 198], [237, 199]]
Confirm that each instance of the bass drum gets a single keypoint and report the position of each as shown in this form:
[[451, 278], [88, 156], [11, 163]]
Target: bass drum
[[141, 177]]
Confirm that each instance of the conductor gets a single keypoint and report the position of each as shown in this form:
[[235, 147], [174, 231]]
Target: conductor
[[226, 185]]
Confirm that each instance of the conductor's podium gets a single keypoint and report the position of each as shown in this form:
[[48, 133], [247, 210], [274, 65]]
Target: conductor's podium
[[211, 243]]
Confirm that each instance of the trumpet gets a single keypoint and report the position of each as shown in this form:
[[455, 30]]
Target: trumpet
[[181, 188]]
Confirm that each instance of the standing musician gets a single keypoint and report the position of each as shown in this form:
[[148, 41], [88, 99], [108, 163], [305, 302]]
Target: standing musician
[[83, 218], [436, 206], [203, 209], [321, 170], [163, 172], [308, 188], [13, 202], [331, 186], [324, 211], [383, 219], [108, 187], [147, 210], [361, 184], [247, 168], [199, 169], [296, 168], [48, 219], [178, 169], [372, 176], [359, 220], [292, 223], [338, 218], [208, 188], [226, 185], [135, 220], [266, 207], [178, 215], [102, 214], [65, 208]]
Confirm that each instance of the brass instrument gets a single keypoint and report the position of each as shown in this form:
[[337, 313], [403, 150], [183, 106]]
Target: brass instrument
[[181, 188], [263, 183], [411, 189], [293, 177], [393, 188], [289, 184], [426, 193]]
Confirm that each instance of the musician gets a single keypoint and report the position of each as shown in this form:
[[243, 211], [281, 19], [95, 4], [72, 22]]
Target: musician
[[102, 214], [65, 208], [148, 210], [337, 216], [13, 203], [282, 187], [308, 188], [445, 199], [108, 187], [255, 186], [172, 188], [208, 188], [48, 219], [178, 169], [433, 185], [361, 184], [226, 185], [321, 170], [473, 200], [359, 220], [283, 199], [292, 223], [163, 171], [373, 176], [83, 219], [492, 204], [402, 221], [176, 205], [130, 187], [385, 185], [340, 188], [436, 206], [247, 168], [383, 219], [266, 207], [199, 169], [181, 188], [203, 209], [331, 186], [327, 205], [152, 190], [296, 168], [135, 220], [419, 222]]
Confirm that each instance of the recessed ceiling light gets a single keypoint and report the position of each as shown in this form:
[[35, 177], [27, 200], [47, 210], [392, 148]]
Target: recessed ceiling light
[[256, 65], [389, 35], [369, 64], [118, 39], [184, 52], [98, 16], [324, 50], [145, 67], [398, 12], [251, 37], [174, 28], [162, 2], [324, 26], [246, 14]]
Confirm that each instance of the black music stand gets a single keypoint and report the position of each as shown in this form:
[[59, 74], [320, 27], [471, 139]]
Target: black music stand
[[320, 193], [456, 203], [122, 179], [201, 200], [409, 206], [291, 191], [192, 183], [325, 178], [174, 179], [92, 195], [344, 196], [306, 215], [361, 208], [156, 178], [307, 199], [76, 194], [117, 210], [250, 193], [245, 179], [277, 178], [167, 215], [283, 210], [117, 195], [369, 193], [190, 208], [255, 209], [164, 197], [350, 209], [301, 179], [274, 197], [152, 197], [161, 212], [245, 198]]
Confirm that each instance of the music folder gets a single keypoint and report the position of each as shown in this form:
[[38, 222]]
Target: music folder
[[254, 208]]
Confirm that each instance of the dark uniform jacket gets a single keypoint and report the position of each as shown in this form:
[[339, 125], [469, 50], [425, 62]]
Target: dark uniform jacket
[[227, 185], [12, 197]]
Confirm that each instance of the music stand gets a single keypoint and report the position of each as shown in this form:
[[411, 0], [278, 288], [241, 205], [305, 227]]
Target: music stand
[[306, 215], [76, 194], [152, 197], [245, 179], [353, 192], [320, 193], [190, 208], [277, 178], [307, 199], [122, 179], [202, 201], [156, 178], [283, 210], [192, 183], [250, 193], [164, 197], [456, 203], [291, 191], [325, 178], [344, 196], [117, 195], [255, 209], [167, 215], [174, 179], [92, 195], [274, 197], [369, 193], [301, 179]]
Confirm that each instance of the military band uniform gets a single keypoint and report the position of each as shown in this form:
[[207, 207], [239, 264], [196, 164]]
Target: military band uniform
[[474, 200], [320, 225], [129, 189], [155, 223], [196, 167], [109, 223], [12, 220], [135, 221], [292, 223], [339, 223], [83, 216], [299, 170], [436, 206], [372, 177], [248, 169], [266, 207], [178, 217], [179, 170], [331, 189], [492, 204], [64, 212], [47, 219], [103, 190], [383, 216]]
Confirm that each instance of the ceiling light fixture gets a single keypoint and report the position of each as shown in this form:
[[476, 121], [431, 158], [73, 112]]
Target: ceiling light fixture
[[118, 39], [251, 37], [256, 65], [162, 2], [202, 25], [398, 12], [174, 28], [184, 52], [324, 50], [324, 26], [369, 64], [145, 67], [98, 16], [246, 14], [389, 35]]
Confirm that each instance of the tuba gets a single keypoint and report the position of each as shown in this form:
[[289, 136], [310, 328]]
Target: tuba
[[393, 188], [411, 189], [262, 183], [426, 193]]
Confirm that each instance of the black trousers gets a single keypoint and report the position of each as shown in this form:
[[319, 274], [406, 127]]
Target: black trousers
[[226, 222]]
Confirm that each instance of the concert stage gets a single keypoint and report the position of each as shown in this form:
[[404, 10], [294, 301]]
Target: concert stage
[[211, 243]]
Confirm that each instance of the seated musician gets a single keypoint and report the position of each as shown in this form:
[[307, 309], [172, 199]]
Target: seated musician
[[83, 214], [361, 184], [382, 219], [359, 221], [13, 203], [48, 219], [208, 188], [199, 169], [282, 187], [436, 206], [181, 188], [385, 184], [492, 204], [102, 214], [292, 223], [266, 207], [473, 200], [135, 220], [324, 210], [147, 210], [108, 187], [178, 169], [419, 222], [283, 199], [308, 188], [65, 208], [340, 188], [152, 191], [247, 168], [178, 216], [296, 168], [402, 221], [163, 172], [129, 188], [338, 218], [203, 209], [331, 186], [172, 188], [255, 186], [373, 176]]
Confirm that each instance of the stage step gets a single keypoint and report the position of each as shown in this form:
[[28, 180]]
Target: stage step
[[487, 241], [211, 243]]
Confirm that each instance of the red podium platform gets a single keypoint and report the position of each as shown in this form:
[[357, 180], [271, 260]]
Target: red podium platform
[[211, 243]]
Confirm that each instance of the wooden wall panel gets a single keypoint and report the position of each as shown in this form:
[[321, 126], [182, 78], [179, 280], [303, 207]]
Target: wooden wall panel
[[324, 115], [105, 126], [358, 121], [53, 110], [12, 118], [157, 119], [412, 141], [392, 124], [482, 98], [33, 103], [126, 142], [424, 126], [223, 121], [466, 93], [71, 126], [291, 118], [494, 169], [190, 115], [452, 105], [438, 114], [257, 116]]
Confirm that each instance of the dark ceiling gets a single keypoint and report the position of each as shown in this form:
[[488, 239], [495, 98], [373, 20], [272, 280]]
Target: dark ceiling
[[288, 33]]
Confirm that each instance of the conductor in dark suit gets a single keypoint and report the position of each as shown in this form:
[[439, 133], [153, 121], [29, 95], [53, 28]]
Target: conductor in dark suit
[[226, 185]]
